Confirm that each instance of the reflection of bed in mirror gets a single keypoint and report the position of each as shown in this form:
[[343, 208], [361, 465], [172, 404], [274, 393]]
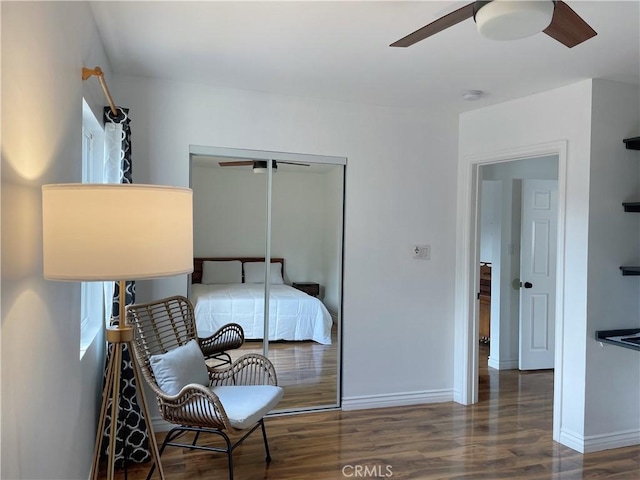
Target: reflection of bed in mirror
[[231, 290]]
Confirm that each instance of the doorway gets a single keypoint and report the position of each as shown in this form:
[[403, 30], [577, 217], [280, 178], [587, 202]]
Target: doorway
[[467, 271], [521, 257]]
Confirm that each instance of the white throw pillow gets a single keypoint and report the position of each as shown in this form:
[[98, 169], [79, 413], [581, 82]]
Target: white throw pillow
[[179, 367], [221, 271], [254, 273]]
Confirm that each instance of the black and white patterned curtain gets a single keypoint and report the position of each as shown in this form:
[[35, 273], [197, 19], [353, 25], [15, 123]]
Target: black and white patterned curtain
[[132, 439]]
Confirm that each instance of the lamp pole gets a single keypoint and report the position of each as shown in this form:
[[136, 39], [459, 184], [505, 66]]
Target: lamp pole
[[120, 336]]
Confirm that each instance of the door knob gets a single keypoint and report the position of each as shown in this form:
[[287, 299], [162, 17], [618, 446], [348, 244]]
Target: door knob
[[528, 284]]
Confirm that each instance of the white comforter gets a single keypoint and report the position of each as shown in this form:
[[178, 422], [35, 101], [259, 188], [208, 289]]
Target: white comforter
[[293, 315]]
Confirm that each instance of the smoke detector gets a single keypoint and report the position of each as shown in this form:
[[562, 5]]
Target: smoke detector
[[472, 95]]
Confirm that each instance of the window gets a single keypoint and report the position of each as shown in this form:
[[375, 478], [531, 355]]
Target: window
[[93, 310]]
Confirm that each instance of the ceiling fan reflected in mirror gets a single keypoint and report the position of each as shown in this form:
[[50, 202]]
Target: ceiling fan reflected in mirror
[[259, 166], [511, 20]]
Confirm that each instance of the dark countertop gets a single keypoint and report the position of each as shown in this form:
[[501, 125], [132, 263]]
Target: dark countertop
[[613, 337]]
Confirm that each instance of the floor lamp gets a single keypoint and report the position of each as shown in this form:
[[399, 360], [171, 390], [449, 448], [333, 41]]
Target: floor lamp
[[117, 232]]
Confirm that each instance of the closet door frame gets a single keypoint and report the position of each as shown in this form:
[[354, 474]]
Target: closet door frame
[[268, 156]]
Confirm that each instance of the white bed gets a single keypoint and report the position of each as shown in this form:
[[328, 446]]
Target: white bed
[[293, 315]]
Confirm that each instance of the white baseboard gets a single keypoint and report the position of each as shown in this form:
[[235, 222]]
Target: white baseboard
[[597, 443], [457, 397], [502, 364], [396, 399], [625, 438], [572, 440]]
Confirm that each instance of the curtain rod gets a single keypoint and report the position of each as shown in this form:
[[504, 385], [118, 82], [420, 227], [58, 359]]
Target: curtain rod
[[88, 72]]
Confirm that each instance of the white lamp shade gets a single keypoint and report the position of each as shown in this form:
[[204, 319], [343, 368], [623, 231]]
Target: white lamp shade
[[94, 232], [514, 19]]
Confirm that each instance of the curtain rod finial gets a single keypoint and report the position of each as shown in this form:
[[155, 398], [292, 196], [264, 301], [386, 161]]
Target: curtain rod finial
[[88, 72]]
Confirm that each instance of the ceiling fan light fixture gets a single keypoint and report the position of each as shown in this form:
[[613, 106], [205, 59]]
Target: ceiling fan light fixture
[[260, 166], [513, 19]]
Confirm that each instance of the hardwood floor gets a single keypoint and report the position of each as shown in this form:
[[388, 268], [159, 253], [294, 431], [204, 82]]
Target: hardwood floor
[[507, 435]]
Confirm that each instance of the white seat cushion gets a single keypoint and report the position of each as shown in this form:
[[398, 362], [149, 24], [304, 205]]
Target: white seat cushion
[[246, 404]]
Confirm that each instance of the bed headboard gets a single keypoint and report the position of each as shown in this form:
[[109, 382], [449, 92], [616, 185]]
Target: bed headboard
[[196, 276]]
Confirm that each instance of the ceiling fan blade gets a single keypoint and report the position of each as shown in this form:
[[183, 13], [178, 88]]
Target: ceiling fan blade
[[568, 27], [294, 163], [239, 163], [438, 25]]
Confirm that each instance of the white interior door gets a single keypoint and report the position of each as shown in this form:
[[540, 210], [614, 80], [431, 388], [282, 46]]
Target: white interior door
[[538, 274]]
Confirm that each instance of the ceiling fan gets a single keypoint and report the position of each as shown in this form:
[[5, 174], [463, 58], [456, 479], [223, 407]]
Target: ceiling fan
[[259, 166], [510, 20]]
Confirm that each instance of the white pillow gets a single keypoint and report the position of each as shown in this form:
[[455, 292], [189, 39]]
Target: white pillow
[[179, 367], [221, 271], [254, 273]]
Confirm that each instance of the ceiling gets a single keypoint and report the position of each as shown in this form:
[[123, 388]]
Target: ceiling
[[340, 50]]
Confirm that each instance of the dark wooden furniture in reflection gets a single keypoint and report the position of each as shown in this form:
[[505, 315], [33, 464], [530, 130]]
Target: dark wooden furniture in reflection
[[310, 288], [485, 303]]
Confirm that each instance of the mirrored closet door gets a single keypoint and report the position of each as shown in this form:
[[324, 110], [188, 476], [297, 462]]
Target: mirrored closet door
[[269, 225]]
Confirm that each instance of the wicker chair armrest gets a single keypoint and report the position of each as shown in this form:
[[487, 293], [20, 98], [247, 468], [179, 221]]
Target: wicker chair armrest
[[194, 405], [228, 337], [249, 369]]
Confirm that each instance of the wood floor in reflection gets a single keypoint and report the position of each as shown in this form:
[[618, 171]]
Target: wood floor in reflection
[[507, 435], [307, 371]]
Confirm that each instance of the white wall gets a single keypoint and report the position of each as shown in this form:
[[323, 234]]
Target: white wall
[[565, 114], [49, 396], [542, 168], [490, 201], [612, 408], [400, 190], [230, 216]]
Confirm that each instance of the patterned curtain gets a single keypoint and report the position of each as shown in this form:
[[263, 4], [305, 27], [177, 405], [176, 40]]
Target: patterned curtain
[[132, 440]]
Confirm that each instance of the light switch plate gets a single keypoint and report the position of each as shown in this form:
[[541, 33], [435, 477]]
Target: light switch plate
[[421, 252]]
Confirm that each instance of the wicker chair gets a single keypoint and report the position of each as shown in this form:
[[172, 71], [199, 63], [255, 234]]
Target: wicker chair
[[228, 337], [164, 326]]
